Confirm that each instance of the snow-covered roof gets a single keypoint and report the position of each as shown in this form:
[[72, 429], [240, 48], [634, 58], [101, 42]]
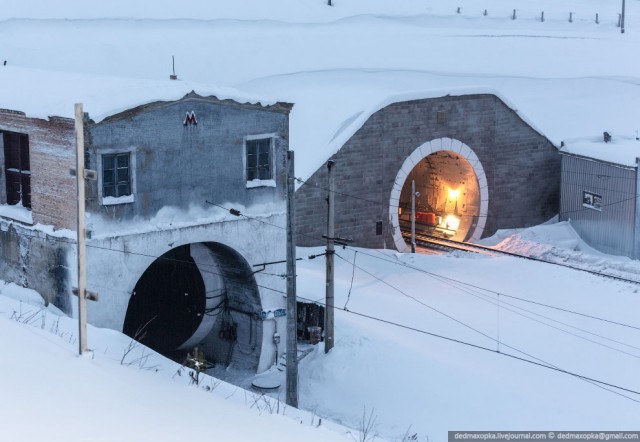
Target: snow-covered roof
[[621, 149], [40, 94], [347, 128]]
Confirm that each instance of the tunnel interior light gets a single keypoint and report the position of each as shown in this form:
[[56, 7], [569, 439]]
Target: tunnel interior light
[[452, 222], [454, 194]]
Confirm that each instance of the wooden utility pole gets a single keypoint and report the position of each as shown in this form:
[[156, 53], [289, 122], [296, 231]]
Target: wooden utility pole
[[328, 314], [413, 216], [82, 258], [292, 337]]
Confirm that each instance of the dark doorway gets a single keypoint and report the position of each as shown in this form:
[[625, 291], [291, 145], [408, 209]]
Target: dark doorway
[[168, 302], [17, 168], [310, 317]]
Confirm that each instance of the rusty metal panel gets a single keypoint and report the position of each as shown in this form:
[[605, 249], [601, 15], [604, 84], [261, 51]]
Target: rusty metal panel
[[599, 199]]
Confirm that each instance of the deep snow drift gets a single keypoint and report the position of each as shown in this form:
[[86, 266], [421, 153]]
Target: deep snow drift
[[123, 391], [422, 346]]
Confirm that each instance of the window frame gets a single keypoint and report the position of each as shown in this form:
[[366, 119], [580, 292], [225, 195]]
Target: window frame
[[124, 199], [592, 200], [257, 182], [23, 173]]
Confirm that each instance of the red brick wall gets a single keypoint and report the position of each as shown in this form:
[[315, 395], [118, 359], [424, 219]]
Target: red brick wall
[[52, 156]]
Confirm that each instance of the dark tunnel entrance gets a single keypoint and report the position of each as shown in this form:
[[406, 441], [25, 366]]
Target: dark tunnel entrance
[[198, 295], [168, 302]]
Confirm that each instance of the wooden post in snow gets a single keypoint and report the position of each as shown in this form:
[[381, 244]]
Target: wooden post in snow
[[81, 233]]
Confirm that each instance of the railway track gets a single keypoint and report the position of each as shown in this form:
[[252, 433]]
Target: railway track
[[448, 245]]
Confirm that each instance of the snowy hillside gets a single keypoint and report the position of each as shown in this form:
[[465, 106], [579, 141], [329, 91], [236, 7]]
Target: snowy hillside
[[122, 392]]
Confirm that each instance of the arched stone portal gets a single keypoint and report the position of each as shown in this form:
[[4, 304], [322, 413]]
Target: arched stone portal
[[201, 294], [473, 222], [517, 168]]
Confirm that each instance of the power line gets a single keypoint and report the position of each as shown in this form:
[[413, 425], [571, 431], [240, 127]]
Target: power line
[[541, 363], [235, 212], [460, 322], [500, 306], [444, 314], [429, 273], [435, 275], [555, 308], [282, 292], [599, 383], [367, 254], [268, 288], [353, 275], [406, 206]]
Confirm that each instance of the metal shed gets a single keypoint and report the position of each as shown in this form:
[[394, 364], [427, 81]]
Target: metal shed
[[599, 198]]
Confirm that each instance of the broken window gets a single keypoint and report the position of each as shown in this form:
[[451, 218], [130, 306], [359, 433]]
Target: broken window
[[116, 175], [17, 168], [259, 159]]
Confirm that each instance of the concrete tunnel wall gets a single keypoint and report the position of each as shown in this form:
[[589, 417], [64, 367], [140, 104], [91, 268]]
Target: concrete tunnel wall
[[142, 249], [522, 168]]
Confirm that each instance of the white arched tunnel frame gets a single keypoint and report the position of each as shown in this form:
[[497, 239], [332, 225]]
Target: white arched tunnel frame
[[439, 144]]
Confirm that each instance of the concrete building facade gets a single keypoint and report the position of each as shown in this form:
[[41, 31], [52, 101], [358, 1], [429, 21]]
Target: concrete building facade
[[174, 268]]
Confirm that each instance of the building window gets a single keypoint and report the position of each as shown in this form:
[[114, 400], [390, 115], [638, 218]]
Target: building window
[[17, 168], [592, 200], [259, 159], [116, 175]]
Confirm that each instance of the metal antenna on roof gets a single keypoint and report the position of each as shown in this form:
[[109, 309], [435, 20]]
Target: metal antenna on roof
[[173, 63]]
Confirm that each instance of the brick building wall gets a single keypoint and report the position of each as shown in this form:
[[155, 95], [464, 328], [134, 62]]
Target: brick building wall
[[522, 167], [52, 156]]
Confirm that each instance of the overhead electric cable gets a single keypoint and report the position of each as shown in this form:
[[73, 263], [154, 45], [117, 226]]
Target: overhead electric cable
[[500, 305], [601, 384], [435, 275], [460, 322]]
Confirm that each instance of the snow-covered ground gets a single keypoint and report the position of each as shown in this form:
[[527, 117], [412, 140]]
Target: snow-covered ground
[[422, 347], [559, 243], [123, 391], [571, 81], [410, 378]]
